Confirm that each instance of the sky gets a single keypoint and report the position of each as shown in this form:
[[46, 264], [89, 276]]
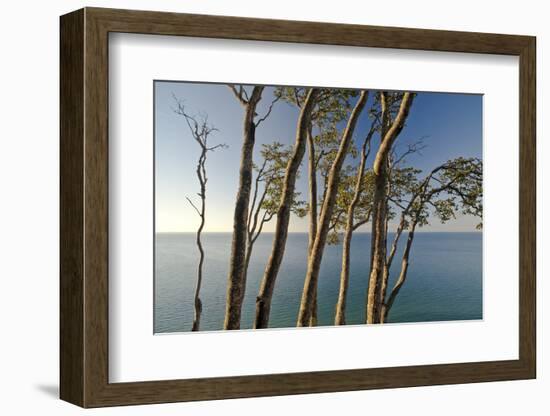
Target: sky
[[449, 124]]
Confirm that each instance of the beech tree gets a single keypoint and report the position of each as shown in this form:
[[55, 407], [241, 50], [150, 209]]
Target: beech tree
[[402, 181], [267, 285], [307, 304], [200, 130], [392, 123], [333, 107], [236, 276], [268, 186], [355, 200], [455, 186]]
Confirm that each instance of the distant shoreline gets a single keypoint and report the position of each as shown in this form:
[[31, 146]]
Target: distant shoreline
[[305, 232]]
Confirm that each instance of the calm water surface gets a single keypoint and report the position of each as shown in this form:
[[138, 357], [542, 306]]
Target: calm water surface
[[444, 280]]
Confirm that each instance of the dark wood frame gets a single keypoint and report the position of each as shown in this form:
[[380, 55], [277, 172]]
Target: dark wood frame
[[84, 207]]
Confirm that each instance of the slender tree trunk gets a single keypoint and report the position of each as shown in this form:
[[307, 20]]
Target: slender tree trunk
[[378, 246], [254, 227], [197, 301], [379, 210], [312, 190], [402, 275], [314, 309], [312, 209], [385, 267], [263, 301], [419, 198], [247, 256], [252, 237], [340, 317], [388, 263], [316, 255], [235, 280]]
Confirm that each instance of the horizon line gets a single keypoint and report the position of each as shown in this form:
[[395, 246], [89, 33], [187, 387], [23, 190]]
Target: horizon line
[[306, 232]]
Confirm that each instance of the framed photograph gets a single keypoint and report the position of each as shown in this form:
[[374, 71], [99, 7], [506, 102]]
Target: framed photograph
[[262, 207]]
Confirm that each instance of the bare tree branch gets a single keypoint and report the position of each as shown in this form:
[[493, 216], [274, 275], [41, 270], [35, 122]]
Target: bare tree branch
[[268, 111], [200, 130], [412, 148], [193, 205], [365, 220], [239, 94]]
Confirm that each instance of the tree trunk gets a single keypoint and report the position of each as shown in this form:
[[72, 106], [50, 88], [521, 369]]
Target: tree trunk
[[340, 317], [254, 227], [379, 210], [202, 194], [312, 190], [316, 255], [378, 241], [312, 208], [263, 301], [235, 280], [402, 275], [388, 263]]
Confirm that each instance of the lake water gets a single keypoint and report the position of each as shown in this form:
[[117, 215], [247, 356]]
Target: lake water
[[444, 281]]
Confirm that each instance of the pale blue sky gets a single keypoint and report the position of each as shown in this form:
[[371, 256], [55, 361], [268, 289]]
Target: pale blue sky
[[451, 125]]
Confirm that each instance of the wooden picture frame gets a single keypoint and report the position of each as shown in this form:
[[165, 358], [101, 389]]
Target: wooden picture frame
[[84, 207]]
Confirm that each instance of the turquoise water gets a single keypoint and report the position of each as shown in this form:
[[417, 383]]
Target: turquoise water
[[444, 281]]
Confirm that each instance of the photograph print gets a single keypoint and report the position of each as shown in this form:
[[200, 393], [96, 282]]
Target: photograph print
[[297, 207]]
